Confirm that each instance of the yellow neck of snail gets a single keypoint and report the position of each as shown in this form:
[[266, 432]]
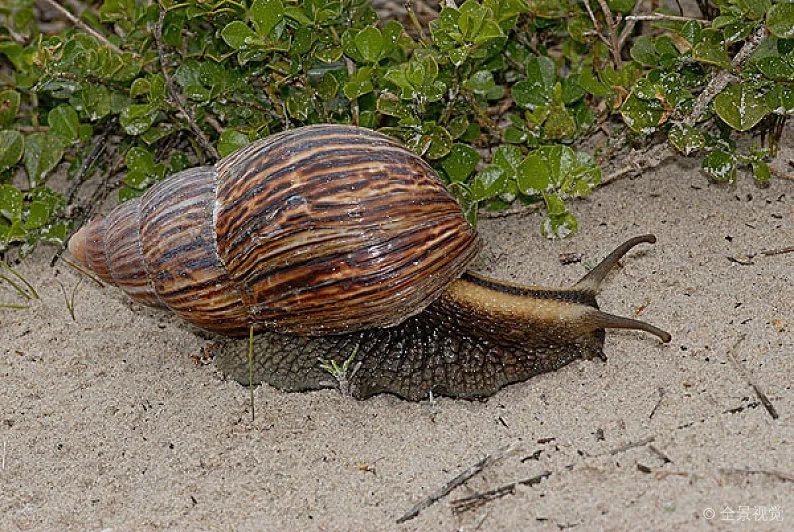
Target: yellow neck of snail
[[517, 308]]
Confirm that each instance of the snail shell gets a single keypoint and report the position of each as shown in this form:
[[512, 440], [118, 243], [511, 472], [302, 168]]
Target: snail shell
[[317, 230]]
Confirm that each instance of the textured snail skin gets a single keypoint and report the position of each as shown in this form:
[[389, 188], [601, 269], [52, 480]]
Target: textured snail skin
[[479, 336], [333, 241]]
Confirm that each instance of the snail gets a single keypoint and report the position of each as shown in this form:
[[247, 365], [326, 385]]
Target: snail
[[336, 243]]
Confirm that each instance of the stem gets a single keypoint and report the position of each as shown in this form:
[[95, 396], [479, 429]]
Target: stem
[[176, 96], [82, 25]]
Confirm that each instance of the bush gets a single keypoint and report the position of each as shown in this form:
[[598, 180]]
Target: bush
[[499, 96]]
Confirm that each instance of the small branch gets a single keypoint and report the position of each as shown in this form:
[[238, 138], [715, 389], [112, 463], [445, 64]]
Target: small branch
[[722, 79], [512, 211], [613, 34], [176, 96], [780, 475], [778, 251], [89, 161], [82, 25], [351, 69], [628, 27], [596, 25], [748, 379], [462, 478], [663, 16], [472, 502], [632, 445]]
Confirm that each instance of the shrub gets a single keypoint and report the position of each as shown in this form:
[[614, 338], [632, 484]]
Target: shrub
[[500, 96]]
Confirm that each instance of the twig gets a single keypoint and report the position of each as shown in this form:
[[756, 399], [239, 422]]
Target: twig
[[89, 161], [83, 271], [613, 34], [351, 70], [464, 476], [98, 197], [175, 95], [512, 211], [471, 502], [663, 16], [659, 402], [632, 445], [780, 475], [781, 173], [748, 379], [778, 251], [82, 25], [718, 82], [640, 160], [251, 370], [660, 454], [596, 25], [628, 27]]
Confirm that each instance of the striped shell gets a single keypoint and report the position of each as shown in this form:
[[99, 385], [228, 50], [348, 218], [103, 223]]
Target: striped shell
[[317, 230]]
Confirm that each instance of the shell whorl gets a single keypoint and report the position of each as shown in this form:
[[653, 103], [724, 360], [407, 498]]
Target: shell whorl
[[321, 229]]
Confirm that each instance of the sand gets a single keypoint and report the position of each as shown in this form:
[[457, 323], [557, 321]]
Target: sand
[[108, 422]]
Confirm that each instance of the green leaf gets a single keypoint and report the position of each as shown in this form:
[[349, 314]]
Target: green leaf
[[38, 214], [328, 87], [299, 104], [10, 203], [780, 99], [370, 44], [63, 122], [460, 162], [137, 118], [12, 145], [711, 49], [559, 223], [644, 52], [621, 6], [359, 84], [42, 153], [480, 82], [642, 116], [532, 175], [692, 31], [777, 68], [537, 89], [685, 138], [266, 14], [559, 123], [440, 141], [235, 34], [96, 101], [140, 160], [740, 106], [9, 106], [780, 20], [720, 166], [507, 158], [587, 80], [490, 182], [761, 173]]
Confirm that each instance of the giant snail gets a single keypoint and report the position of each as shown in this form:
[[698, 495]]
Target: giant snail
[[332, 242]]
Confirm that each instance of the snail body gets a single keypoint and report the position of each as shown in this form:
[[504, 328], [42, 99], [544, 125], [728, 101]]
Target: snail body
[[332, 241]]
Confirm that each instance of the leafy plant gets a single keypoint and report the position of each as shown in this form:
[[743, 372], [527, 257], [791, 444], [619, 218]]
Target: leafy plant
[[499, 96]]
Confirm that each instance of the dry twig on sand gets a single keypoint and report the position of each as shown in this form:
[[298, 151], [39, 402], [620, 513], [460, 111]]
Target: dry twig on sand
[[460, 479]]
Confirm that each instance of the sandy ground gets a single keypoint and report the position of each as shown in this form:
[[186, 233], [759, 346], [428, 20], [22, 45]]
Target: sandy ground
[[108, 422]]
